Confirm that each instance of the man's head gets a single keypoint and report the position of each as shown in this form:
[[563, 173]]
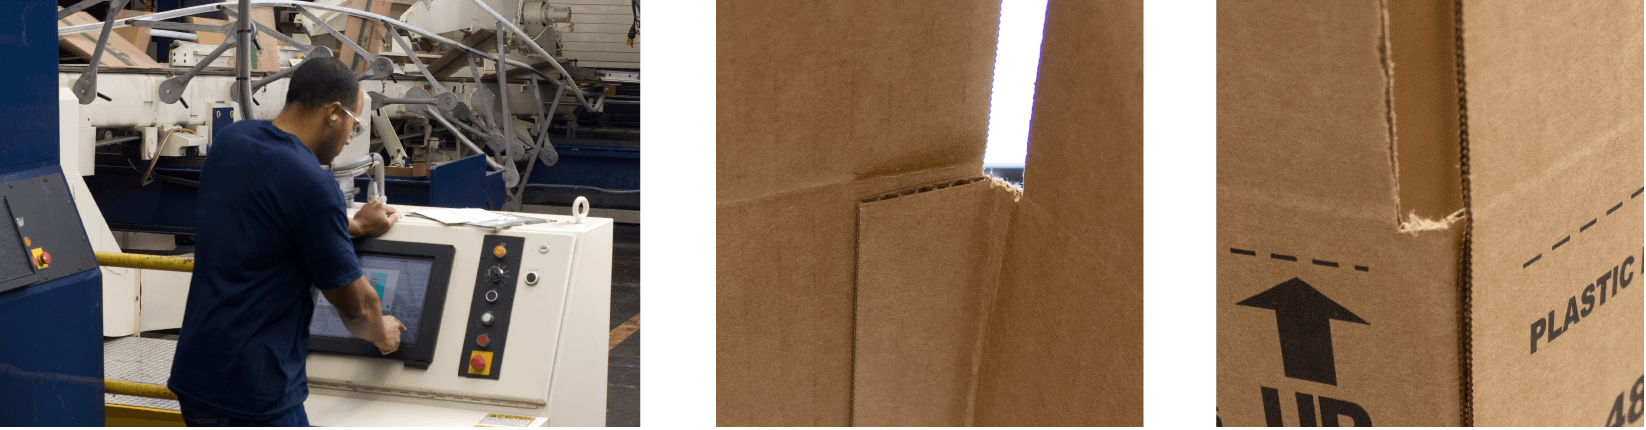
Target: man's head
[[323, 101]]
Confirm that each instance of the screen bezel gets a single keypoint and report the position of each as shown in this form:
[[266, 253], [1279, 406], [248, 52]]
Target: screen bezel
[[421, 352]]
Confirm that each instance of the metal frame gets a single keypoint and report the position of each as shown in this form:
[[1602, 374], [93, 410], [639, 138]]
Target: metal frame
[[501, 137], [390, 22], [496, 132]]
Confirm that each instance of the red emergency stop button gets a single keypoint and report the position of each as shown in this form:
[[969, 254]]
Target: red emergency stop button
[[45, 257], [480, 363], [500, 251], [483, 340]]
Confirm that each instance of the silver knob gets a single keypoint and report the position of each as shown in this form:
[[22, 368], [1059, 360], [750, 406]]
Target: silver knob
[[486, 318]]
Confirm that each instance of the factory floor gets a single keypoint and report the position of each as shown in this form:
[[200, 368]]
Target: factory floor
[[623, 371]]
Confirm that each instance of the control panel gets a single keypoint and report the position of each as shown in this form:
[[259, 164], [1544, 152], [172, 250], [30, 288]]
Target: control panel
[[40, 233], [524, 323], [490, 307]]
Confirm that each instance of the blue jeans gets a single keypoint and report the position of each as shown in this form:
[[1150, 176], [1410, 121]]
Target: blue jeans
[[196, 417]]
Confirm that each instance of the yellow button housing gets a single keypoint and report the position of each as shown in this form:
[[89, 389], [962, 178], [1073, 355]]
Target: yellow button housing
[[486, 359]]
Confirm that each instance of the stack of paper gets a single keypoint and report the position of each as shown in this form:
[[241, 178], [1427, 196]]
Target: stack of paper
[[458, 216], [476, 217]]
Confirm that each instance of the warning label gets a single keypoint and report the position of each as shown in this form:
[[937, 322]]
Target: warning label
[[505, 420]]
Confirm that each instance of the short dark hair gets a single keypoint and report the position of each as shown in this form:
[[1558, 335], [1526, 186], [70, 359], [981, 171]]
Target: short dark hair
[[320, 81]]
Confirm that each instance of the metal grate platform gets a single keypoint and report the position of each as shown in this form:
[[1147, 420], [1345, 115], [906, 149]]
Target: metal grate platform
[[142, 360]]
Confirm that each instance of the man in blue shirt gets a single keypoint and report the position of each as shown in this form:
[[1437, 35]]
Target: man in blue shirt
[[273, 225]]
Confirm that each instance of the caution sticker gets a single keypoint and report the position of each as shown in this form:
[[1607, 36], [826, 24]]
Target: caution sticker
[[505, 420]]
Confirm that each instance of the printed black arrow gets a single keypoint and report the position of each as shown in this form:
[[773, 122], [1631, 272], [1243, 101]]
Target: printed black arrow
[[1304, 317]]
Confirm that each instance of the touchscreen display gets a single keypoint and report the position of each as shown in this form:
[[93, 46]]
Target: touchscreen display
[[401, 284]]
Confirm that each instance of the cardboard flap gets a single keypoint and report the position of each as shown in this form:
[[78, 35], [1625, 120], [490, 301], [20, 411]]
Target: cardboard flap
[[1065, 343], [1314, 130], [785, 275], [817, 93], [118, 53], [927, 268]]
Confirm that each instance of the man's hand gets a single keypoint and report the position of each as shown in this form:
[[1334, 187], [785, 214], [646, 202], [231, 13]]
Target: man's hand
[[391, 335], [373, 219]]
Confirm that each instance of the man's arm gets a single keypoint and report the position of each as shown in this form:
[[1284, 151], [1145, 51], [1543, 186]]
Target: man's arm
[[373, 219], [356, 229], [362, 313]]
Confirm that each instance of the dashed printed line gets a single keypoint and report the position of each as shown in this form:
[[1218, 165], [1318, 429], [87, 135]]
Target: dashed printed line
[[1294, 258], [1582, 229]]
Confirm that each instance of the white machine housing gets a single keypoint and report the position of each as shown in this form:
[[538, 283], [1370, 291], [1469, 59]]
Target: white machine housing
[[555, 373]]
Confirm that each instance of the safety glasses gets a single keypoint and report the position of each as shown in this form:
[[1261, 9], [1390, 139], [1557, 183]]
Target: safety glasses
[[359, 126]]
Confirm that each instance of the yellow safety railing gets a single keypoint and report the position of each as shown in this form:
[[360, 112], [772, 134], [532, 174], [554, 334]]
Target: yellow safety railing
[[128, 388], [144, 261]]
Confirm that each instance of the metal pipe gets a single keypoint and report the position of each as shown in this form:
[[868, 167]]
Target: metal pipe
[[377, 192], [505, 124], [173, 34], [171, 90], [145, 261], [242, 67], [537, 147], [465, 140], [445, 101], [540, 51], [128, 388], [85, 88], [391, 140], [377, 67]]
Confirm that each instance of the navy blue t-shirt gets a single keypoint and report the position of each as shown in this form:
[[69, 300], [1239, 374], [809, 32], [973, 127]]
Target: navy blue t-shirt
[[272, 225]]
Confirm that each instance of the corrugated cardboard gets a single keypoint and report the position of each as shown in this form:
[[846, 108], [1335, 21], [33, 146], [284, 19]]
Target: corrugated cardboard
[[368, 34], [266, 58], [1358, 284], [924, 293], [138, 36], [866, 276], [118, 52]]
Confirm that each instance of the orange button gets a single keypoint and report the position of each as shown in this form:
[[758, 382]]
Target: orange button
[[26, 242], [499, 251]]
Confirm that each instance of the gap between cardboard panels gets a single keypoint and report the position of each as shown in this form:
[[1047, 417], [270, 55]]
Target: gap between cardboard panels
[[1016, 191]]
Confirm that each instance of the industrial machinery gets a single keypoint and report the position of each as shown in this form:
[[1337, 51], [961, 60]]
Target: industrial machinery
[[461, 117], [571, 99], [51, 366], [137, 136], [502, 325], [505, 326]]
